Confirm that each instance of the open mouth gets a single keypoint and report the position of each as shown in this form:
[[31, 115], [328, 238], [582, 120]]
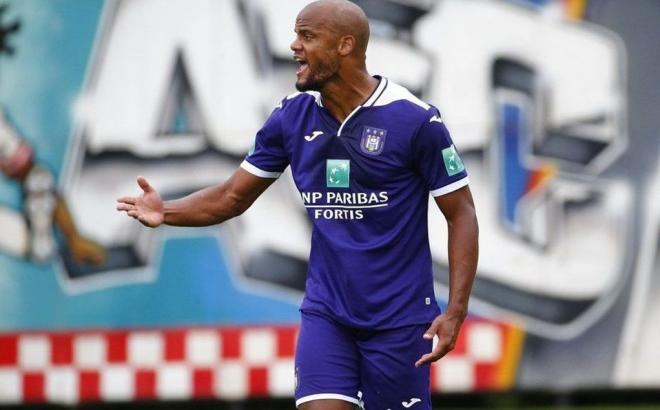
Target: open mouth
[[302, 65]]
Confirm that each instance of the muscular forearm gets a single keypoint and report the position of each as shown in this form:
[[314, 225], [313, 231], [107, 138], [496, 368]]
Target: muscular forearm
[[463, 255], [208, 206], [458, 209], [205, 207], [216, 204]]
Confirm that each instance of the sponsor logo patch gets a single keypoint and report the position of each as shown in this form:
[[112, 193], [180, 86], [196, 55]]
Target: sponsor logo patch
[[337, 173]]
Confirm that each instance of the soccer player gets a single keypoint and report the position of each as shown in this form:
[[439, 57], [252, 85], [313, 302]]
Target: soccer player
[[364, 153]]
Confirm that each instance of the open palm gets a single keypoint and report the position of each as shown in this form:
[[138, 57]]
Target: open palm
[[146, 208]]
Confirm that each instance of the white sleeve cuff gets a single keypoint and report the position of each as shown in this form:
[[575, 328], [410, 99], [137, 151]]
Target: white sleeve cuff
[[259, 172], [451, 187]]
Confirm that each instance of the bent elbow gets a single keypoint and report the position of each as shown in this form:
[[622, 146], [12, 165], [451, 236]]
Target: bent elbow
[[237, 205], [239, 209]]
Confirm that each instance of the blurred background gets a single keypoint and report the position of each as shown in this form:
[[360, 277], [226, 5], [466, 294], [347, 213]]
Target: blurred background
[[553, 104]]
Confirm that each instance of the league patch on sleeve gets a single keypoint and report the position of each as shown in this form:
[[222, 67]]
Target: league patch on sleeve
[[453, 163]]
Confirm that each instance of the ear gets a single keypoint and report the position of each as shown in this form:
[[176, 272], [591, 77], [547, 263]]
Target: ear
[[346, 45]]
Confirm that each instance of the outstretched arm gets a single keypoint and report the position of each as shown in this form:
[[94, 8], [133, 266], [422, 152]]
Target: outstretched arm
[[458, 209], [207, 206]]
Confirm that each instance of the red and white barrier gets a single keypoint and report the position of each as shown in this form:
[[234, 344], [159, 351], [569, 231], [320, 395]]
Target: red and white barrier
[[177, 364]]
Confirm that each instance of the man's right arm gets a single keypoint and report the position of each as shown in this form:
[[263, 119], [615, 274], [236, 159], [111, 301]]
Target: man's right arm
[[213, 205], [208, 206]]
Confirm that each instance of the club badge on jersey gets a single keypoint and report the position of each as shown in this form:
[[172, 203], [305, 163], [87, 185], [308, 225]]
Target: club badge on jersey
[[373, 140]]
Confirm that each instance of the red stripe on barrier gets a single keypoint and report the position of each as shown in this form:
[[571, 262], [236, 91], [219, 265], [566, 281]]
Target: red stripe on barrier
[[116, 347], [89, 386], [145, 384], [485, 376], [33, 387], [175, 345], [258, 378], [8, 350], [286, 341], [61, 351], [231, 343], [203, 383]]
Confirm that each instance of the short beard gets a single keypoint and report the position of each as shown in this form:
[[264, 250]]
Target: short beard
[[318, 81], [309, 85]]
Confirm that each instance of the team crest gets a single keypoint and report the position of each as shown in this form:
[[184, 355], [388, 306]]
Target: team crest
[[373, 140]]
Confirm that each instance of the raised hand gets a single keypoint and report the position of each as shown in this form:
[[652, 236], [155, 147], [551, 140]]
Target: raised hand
[[146, 208]]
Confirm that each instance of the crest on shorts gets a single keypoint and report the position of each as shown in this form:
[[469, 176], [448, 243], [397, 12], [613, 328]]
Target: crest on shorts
[[373, 140]]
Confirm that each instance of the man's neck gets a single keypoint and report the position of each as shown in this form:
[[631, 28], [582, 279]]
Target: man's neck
[[344, 94]]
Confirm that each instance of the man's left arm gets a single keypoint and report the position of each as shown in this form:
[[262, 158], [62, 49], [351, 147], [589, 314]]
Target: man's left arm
[[463, 231]]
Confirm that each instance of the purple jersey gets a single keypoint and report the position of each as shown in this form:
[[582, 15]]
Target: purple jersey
[[365, 183]]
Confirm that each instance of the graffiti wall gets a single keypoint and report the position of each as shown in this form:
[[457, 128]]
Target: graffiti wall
[[553, 104]]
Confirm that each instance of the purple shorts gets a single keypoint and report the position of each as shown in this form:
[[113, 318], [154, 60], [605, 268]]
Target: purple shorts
[[372, 368]]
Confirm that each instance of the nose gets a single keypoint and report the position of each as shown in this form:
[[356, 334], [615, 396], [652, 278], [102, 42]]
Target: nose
[[295, 44]]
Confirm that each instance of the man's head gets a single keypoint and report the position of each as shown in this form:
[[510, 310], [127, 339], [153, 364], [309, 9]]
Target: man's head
[[331, 36]]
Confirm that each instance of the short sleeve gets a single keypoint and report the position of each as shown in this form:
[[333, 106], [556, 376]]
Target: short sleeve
[[268, 158], [436, 158]]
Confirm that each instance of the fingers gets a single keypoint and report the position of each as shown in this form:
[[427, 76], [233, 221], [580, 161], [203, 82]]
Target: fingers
[[427, 358], [146, 187], [441, 349], [446, 333], [127, 200], [135, 214], [128, 203], [435, 353], [432, 330], [130, 210], [140, 218], [142, 182], [125, 207]]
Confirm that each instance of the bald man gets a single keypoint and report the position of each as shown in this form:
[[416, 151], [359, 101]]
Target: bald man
[[365, 154]]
